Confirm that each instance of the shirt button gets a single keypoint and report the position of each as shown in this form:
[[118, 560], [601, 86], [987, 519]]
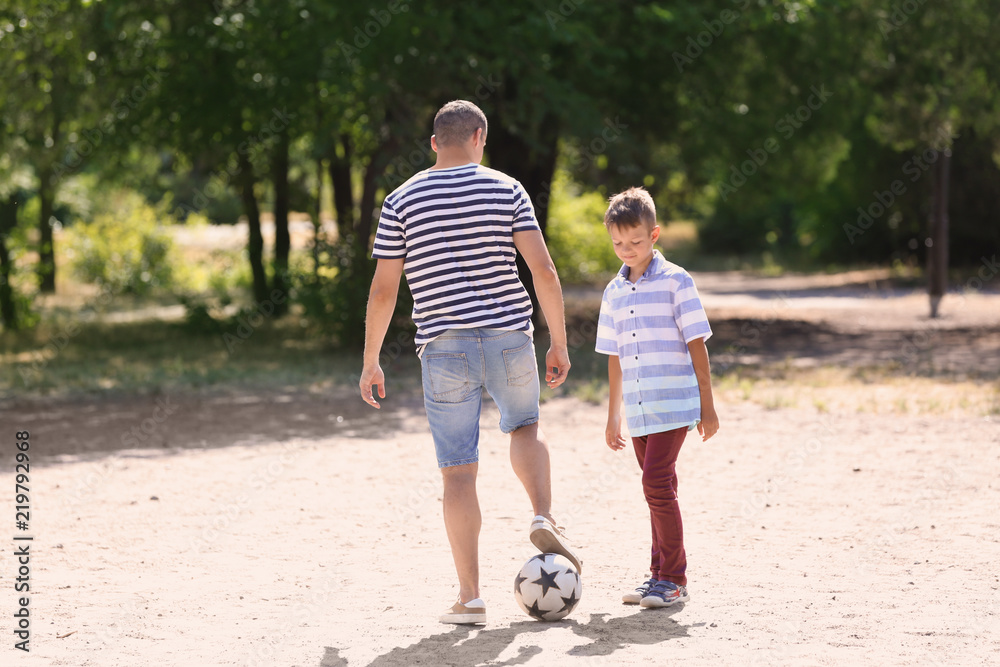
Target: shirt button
[[633, 289], [637, 358], [633, 335], [631, 312]]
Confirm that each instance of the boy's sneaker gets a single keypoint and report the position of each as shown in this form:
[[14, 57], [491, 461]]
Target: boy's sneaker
[[473, 611], [548, 538], [636, 596], [664, 594]]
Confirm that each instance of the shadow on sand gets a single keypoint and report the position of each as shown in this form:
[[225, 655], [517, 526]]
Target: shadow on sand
[[465, 645]]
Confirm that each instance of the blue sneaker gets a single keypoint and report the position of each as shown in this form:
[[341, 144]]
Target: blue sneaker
[[664, 594], [636, 596]]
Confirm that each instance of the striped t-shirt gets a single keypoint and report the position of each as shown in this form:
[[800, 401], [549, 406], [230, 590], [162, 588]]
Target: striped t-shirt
[[648, 325], [454, 228]]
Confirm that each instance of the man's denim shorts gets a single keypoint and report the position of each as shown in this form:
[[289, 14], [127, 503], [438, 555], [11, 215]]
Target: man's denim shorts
[[456, 366]]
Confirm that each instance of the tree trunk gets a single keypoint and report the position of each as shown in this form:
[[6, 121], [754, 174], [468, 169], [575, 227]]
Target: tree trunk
[[282, 239], [317, 219], [255, 245], [343, 195], [937, 258], [363, 229], [46, 248], [533, 163], [8, 221]]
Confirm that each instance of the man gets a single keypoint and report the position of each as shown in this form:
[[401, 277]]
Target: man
[[453, 230]]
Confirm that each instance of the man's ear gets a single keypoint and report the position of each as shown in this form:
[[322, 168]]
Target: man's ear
[[656, 233], [434, 143]]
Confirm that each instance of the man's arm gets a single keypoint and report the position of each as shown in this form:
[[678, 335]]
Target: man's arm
[[531, 245], [381, 304], [709, 424]]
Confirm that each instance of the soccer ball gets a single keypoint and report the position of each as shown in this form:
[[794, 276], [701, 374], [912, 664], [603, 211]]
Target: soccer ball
[[548, 587]]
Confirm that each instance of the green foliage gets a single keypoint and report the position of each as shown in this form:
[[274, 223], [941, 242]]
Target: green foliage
[[336, 299], [125, 250], [577, 240], [162, 96]]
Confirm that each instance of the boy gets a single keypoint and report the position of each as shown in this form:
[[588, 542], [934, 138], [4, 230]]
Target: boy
[[653, 329]]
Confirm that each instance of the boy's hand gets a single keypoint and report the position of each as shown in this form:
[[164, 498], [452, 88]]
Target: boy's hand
[[372, 375], [613, 433], [709, 424], [556, 366]]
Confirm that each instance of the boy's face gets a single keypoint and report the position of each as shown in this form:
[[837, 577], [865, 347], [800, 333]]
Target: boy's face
[[634, 245]]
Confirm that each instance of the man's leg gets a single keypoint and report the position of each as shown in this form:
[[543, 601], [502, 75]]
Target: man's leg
[[462, 521], [529, 457], [512, 380]]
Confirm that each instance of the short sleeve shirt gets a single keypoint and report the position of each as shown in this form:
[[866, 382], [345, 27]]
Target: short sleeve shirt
[[648, 325], [454, 229]]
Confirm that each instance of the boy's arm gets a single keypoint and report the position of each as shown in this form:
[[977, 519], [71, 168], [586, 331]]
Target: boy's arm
[[531, 245], [381, 304], [709, 424], [613, 432]]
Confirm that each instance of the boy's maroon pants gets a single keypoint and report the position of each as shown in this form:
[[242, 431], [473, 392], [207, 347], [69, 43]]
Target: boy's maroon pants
[[657, 455]]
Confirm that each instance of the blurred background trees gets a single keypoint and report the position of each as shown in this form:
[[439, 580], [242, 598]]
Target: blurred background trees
[[801, 134]]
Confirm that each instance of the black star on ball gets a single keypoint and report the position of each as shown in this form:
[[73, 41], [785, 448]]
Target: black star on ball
[[518, 581], [535, 612], [570, 602], [547, 580], [540, 557]]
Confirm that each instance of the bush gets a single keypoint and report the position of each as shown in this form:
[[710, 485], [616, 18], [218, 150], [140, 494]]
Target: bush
[[124, 249], [336, 301], [577, 240]]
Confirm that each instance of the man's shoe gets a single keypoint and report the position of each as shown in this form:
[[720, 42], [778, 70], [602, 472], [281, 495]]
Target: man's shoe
[[664, 594], [549, 539], [636, 596], [473, 611]]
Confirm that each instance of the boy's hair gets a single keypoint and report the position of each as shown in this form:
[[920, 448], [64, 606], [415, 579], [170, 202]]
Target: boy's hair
[[631, 208], [456, 121]]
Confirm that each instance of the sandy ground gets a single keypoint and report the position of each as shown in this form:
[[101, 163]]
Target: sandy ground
[[303, 529]]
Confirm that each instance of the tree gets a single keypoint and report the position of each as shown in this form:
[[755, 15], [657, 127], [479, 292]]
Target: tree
[[49, 100], [8, 221], [936, 63]]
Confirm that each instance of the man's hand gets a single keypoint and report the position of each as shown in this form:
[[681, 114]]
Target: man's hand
[[372, 376], [556, 366], [381, 302], [709, 424], [613, 433]]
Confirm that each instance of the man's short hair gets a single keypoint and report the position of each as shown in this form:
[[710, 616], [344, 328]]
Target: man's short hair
[[455, 122], [631, 208]]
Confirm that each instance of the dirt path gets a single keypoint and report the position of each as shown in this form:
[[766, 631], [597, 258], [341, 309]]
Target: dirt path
[[812, 539]]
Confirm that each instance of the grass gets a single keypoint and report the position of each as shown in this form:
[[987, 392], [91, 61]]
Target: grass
[[65, 359], [884, 389], [67, 356]]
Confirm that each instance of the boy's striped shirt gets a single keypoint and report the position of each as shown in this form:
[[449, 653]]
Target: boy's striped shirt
[[648, 325], [454, 228]]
